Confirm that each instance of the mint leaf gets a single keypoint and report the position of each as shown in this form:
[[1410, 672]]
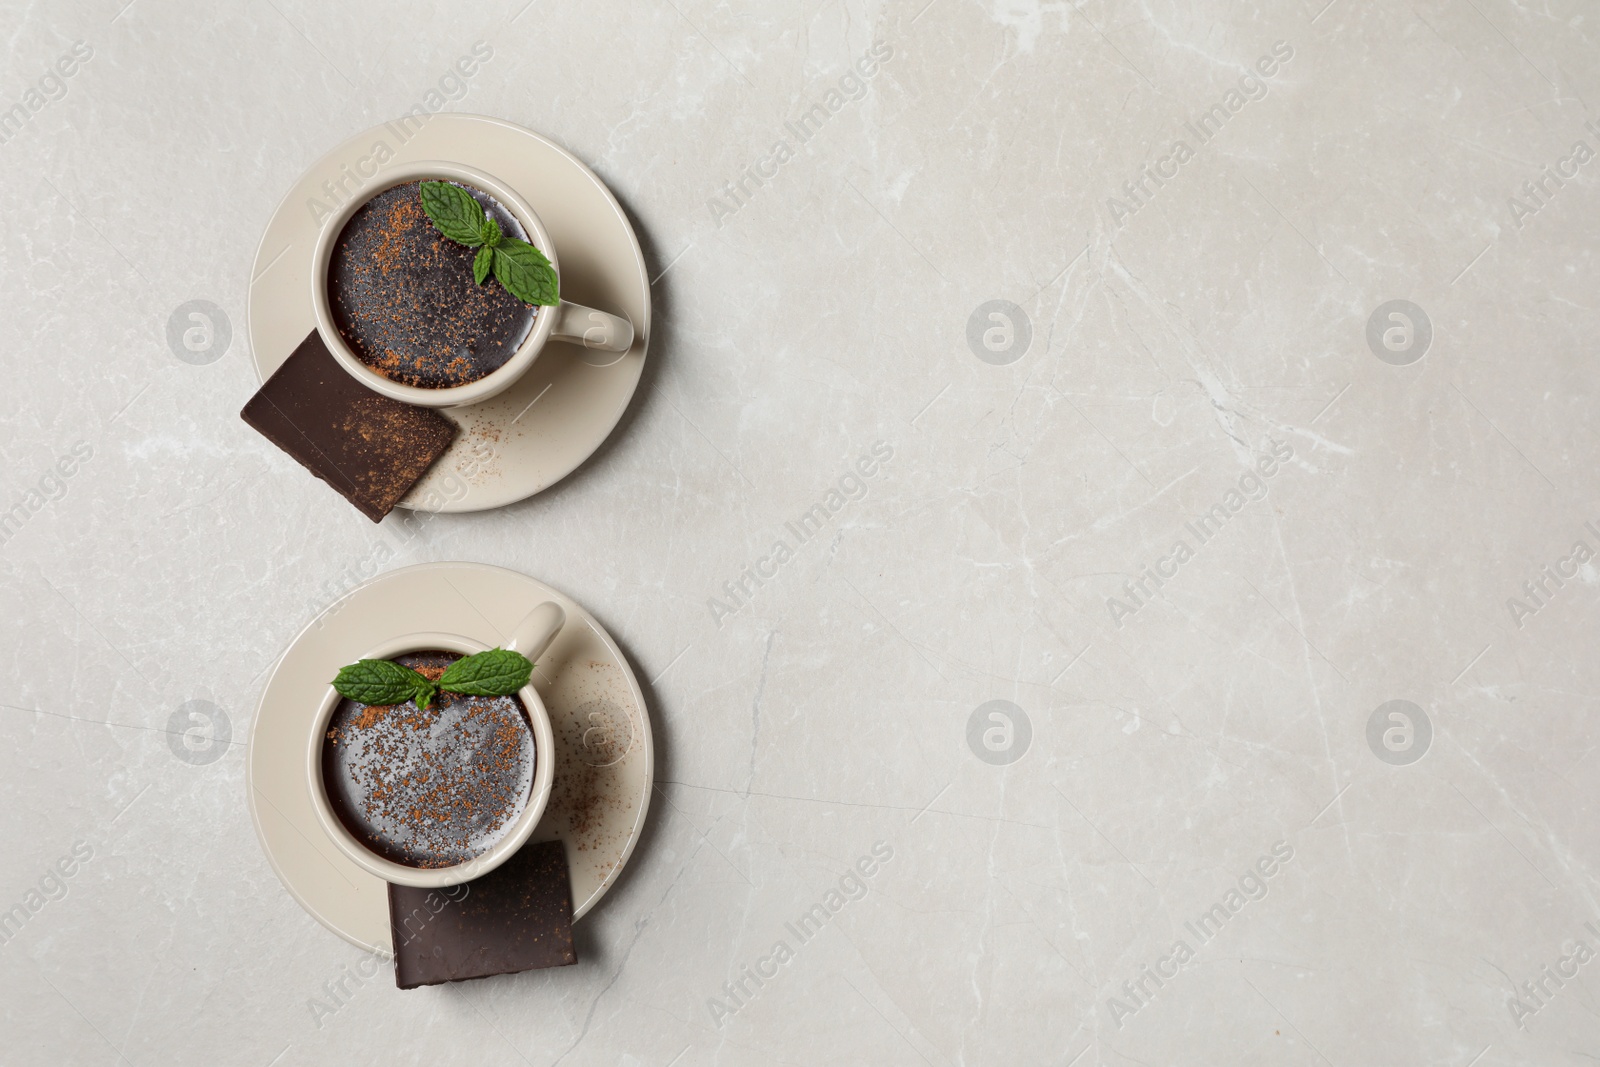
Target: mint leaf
[[453, 210], [490, 232], [482, 262], [379, 682], [495, 673], [526, 273], [423, 691]]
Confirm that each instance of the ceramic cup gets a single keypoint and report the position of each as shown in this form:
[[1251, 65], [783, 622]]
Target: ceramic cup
[[566, 321], [531, 637]]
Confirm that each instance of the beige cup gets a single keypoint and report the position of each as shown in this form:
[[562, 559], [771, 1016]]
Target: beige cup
[[531, 637], [566, 321]]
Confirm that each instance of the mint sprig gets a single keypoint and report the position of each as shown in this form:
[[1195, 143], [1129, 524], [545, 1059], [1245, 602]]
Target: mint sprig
[[456, 213], [488, 674], [526, 272], [495, 673], [382, 681]]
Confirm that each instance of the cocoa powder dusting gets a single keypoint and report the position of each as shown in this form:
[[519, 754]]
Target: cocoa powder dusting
[[404, 300], [430, 787]]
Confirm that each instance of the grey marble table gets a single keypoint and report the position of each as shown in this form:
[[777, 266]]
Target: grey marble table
[[1203, 673]]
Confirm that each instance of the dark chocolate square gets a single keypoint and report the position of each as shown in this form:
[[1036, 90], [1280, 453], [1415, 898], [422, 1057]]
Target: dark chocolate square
[[518, 917], [368, 447]]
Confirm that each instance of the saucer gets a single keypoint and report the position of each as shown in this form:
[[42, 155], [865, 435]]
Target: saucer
[[557, 414], [605, 762]]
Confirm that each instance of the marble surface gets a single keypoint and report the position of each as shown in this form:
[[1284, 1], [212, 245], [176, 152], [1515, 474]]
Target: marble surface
[[1205, 755]]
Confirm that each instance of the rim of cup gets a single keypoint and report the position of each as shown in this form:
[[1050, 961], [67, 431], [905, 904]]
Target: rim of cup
[[388, 177], [502, 850]]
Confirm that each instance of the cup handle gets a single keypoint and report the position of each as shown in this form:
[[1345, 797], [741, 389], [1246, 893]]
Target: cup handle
[[535, 633], [592, 329]]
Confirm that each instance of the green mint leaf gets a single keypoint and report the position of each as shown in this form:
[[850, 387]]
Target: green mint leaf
[[495, 673], [526, 273], [423, 691], [481, 263], [453, 210], [490, 232], [378, 682]]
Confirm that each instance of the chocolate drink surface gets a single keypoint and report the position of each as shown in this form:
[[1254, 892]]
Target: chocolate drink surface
[[429, 787], [403, 298]]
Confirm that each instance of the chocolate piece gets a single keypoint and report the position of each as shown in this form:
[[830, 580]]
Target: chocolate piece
[[368, 447], [518, 917]]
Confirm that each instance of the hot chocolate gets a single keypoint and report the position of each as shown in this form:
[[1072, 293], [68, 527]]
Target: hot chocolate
[[403, 298], [431, 787]]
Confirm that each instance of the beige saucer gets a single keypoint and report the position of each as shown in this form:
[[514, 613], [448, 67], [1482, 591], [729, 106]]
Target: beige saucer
[[557, 414], [604, 765]]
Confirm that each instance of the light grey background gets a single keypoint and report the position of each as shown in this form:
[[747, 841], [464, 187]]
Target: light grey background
[[1175, 740]]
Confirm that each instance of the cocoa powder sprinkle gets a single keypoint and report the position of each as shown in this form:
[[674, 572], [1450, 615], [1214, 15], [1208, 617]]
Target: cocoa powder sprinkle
[[430, 787], [404, 300]]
